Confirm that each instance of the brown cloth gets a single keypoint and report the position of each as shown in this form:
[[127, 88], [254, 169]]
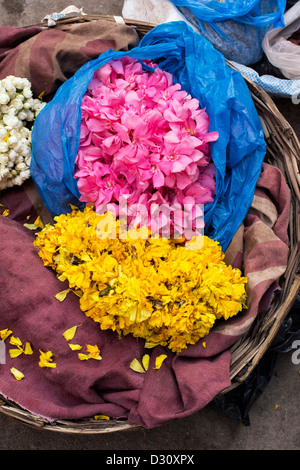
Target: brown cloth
[[75, 389], [49, 56]]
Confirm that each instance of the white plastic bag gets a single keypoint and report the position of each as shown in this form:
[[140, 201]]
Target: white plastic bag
[[152, 11], [281, 52]]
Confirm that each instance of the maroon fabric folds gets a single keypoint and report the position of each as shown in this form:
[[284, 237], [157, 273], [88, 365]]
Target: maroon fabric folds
[[77, 389], [49, 56]]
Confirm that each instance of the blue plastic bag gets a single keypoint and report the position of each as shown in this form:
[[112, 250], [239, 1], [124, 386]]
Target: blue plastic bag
[[236, 27], [202, 71], [244, 11]]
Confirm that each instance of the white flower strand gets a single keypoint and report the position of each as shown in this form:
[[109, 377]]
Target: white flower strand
[[18, 109]]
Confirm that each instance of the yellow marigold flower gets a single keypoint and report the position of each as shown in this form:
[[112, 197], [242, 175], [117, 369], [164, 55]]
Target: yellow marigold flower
[[165, 291]]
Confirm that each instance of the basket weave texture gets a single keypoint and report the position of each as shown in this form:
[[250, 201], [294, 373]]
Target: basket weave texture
[[283, 151]]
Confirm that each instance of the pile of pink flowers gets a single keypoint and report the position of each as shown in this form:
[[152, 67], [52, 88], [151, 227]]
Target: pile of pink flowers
[[145, 141]]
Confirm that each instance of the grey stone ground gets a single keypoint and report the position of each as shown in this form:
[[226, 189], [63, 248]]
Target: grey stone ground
[[271, 427]]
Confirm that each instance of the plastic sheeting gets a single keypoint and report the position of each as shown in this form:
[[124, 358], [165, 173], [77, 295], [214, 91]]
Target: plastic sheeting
[[202, 71], [235, 27], [244, 11], [279, 50]]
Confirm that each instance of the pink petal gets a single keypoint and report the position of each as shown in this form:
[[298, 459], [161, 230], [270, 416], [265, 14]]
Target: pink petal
[[211, 137], [95, 125], [158, 179], [170, 181], [182, 180], [104, 73], [172, 138], [171, 117], [181, 164], [117, 65]]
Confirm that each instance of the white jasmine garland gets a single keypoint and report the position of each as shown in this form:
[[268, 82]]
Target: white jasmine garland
[[4, 98], [18, 110]]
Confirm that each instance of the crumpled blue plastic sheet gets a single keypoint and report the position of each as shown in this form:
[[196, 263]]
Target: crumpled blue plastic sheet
[[236, 27], [202, 71], [244, 11]]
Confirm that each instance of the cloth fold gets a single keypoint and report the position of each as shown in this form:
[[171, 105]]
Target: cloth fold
[[76, 389], [48, 57]]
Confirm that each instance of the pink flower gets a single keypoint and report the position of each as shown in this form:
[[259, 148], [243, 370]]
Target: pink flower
[[144, 138]]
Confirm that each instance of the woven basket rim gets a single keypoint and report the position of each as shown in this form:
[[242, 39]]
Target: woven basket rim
[[249, 350]]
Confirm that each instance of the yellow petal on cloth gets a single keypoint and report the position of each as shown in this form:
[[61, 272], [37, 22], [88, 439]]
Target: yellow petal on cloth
[[48, 364], [137, 366], [38, 223], [75, 347], [15, 352], [15, 341], [41, 95], [17, 374], [4, 334], [150, 345], [97, 417], [145, 361], [99, 358], [94, 353], [5, 213], [84, 357], [30, 226], [28, 349], [62, 295], [159, 360], [46, 359], [93, 350], [70, 333]]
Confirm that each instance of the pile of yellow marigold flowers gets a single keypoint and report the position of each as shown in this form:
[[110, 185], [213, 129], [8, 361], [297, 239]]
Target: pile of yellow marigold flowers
[[151, 287]]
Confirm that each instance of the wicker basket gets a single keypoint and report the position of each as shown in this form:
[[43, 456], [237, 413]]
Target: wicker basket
[[283, 151]]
